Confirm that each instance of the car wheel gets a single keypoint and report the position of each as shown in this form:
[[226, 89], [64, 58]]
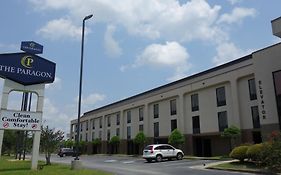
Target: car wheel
[[179, 156], [148, 160], [158, 158]]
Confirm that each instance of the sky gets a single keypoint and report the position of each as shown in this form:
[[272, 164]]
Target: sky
[[131, 46]]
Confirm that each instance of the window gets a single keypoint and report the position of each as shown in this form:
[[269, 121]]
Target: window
[[222, 118], [252, 89], [173, 107], [108, 121], [255, 116], [117, 132], [108, 134], [277, 87], [128, 132], [76, 128], [118, 119], [128, 116], [221, 96], [173, 124], [140, 114], [156, 110], [156, 129], [100, 122], [196, 124], [93, 124], [93, 136], [100, 134], [140, 128], [87, 126], [86, 137], [81, 127], [194, 102]]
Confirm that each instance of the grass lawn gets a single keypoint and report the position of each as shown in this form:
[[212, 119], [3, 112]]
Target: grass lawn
[[10, 166], [238, 166]]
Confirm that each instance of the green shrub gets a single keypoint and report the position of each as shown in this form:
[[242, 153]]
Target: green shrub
[[254, 152], [239, 153], [271, 156]]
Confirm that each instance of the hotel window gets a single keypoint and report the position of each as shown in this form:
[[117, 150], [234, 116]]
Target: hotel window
[[255, 117], [93, 136], [277, 85], [87, 126], [173, 107], [194, 102], [252, 89], [140, 127], [100, 135], [100, 120], [221, 101], [118, 119], [128, 132], [222, 119], [93, 123], [196, 124], [140, 114], [76, 128], [117, 132], [108, 134], [156, 129], [108, 121], [128, 116], [173, 124], [156, 110], [81, 127]]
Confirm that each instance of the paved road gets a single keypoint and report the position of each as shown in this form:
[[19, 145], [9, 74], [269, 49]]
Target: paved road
[[122, 165]]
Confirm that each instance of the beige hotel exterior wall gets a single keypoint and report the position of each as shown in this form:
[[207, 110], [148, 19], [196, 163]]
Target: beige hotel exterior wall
[[234, 77]]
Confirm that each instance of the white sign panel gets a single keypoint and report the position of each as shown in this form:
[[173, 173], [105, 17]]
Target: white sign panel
[[20, 120]]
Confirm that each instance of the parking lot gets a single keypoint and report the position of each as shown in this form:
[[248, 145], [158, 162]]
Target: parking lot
[[125, 165]]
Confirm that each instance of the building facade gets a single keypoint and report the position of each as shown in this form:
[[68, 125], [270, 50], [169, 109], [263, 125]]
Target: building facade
[[245, 93]]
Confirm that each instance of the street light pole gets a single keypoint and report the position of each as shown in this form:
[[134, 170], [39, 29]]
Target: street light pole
[[80, 87]]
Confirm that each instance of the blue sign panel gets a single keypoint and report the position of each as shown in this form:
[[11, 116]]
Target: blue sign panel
[[26, 69], [31, 47]]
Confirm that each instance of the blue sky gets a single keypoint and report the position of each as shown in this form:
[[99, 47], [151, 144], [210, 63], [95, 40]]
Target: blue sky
[[131, 46]]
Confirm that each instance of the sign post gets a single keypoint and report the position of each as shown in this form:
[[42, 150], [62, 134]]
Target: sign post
[[25, 72]]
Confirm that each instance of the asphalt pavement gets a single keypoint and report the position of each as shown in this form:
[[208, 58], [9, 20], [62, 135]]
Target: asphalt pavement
[[126, 165]]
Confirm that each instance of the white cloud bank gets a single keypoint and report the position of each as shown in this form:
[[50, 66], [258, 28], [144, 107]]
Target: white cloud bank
[[237, 15], [170, 55]]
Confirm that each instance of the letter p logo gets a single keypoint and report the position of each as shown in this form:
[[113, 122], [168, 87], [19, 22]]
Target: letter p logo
[[27, 61]]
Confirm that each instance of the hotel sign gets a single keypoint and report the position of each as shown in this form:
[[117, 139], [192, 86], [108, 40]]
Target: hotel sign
[[20, 120], [26, 69], [31, 47]]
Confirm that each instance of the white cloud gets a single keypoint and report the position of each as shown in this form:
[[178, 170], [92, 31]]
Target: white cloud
[[111, 45], [92, 99], [61, 29], [232, 2], [56, 118], [227, 51], [57, 84], [171, 55], [166, 19], [237, 15]]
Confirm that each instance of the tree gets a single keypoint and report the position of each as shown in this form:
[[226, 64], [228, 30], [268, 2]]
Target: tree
[[9, 142], [140, 140], [176, 138], [50, 141], [232, 133], [114, 141]]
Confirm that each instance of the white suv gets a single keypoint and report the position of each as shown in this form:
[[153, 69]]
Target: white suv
[[161, 151]]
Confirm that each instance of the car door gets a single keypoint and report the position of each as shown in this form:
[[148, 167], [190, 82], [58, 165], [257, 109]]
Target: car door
[[170, 151]]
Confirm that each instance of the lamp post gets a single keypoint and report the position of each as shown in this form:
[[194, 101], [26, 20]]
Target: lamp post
[[80, 86]]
